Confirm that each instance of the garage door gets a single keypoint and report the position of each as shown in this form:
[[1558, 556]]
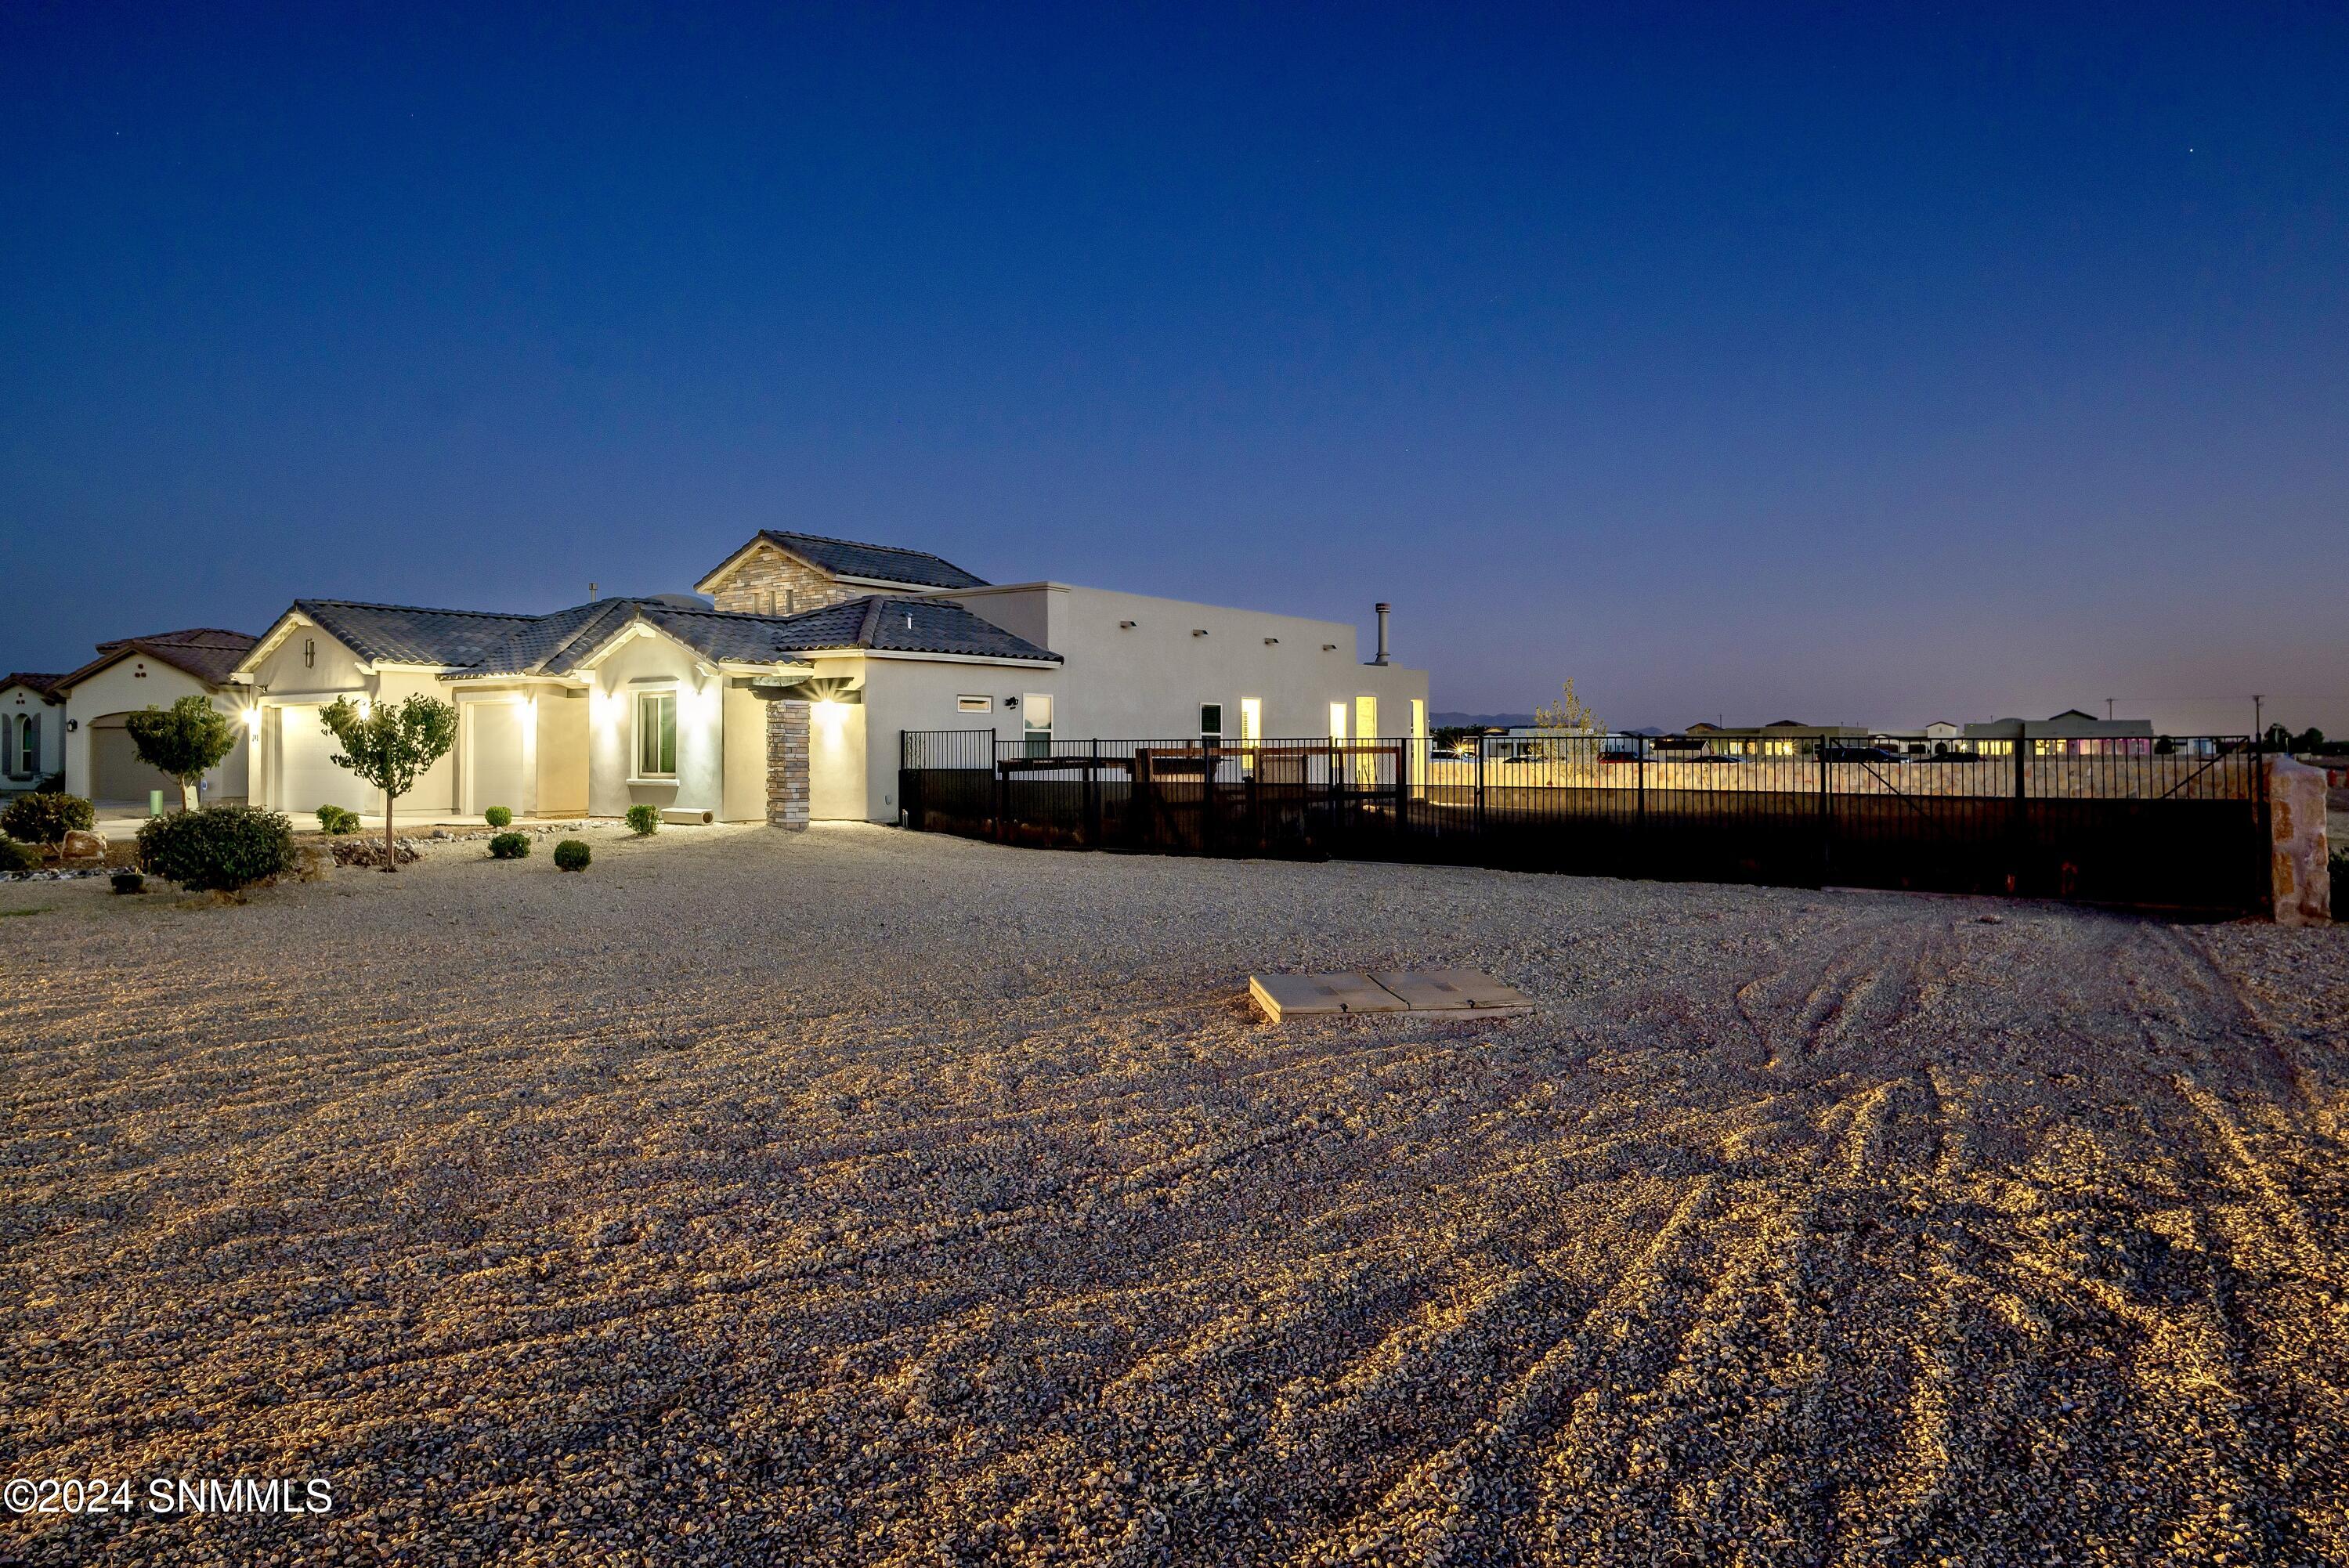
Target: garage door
[[117, 776], [497, 775], [310, 779]]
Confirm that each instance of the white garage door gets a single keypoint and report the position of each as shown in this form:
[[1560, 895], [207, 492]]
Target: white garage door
[[497, 775], [310, 779]]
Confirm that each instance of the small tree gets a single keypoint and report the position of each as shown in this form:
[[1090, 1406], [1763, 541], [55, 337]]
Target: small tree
[[1569, 713], [185, 740], [388, 747]]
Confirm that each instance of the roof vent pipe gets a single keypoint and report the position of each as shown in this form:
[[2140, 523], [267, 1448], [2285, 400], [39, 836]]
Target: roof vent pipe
[[1383, 611]]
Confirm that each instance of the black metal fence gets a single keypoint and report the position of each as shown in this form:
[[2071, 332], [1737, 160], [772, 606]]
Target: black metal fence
[[2178, 824]]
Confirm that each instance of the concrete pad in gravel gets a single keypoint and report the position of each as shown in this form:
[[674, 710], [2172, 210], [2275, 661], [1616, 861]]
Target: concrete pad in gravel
[[1453, 991], [1284, 997]]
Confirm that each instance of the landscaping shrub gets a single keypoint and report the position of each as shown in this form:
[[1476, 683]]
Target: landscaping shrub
[[17, 857], [128, 880], [218, 848], [571, 855], [510, 846], [42, 818], [498, 817], [334, 820], [644, 821]]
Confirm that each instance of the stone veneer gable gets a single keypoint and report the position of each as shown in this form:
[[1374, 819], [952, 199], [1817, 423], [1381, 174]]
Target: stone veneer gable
[[772, 581]]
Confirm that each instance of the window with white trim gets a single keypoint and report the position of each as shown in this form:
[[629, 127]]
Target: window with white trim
[[1211, 723], [969, 703], [1036, 721], [657, 735]]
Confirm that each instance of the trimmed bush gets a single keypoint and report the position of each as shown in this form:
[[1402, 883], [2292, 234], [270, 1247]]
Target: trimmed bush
[[644, 821], [498, 817], [42, 818], [510, 846], [572, 855], [334, 820], [17, 857], [219, 847]]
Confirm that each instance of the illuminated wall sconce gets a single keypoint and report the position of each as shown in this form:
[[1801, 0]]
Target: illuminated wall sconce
[[252, 721]]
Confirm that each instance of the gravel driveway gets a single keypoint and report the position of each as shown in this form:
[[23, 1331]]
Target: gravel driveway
[[859, 1196]]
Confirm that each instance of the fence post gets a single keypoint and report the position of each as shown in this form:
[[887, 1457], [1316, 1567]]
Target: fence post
[[1207, 795], [1827, 817], [1480, 788], [1401, 786], [1093, 797], [2021, 843], [1002, 789]]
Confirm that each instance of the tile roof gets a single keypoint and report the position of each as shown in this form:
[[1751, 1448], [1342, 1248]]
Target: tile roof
[[478, 644], [207, 653], [46, 685], [882, 562]]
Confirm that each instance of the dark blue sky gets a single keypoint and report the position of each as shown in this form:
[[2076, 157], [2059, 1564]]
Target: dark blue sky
[[1802, 362]]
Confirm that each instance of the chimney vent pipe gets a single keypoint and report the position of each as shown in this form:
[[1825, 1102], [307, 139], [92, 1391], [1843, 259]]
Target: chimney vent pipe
[[1384, 610]]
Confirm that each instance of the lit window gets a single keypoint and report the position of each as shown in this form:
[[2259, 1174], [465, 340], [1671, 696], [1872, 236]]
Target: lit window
[[1036, 719], [657, 735], [968, 704], [1251, 721]]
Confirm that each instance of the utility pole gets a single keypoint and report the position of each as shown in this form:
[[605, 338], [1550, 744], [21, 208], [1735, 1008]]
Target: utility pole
[[2257, 726], [2108, 710]]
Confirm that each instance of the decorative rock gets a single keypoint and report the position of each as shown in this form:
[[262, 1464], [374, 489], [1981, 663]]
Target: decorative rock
[[2302, 878], [81, 845]]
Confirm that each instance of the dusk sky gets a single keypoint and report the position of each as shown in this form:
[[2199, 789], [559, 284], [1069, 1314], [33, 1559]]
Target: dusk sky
[[1754, 362]]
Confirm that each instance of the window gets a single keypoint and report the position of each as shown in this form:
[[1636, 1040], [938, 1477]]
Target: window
[[1366, 727], [21, 758], [657, 735], [1211, 723], [1251, 722], [1337, 721], [968, 704], [309, 652], [1036, 720]]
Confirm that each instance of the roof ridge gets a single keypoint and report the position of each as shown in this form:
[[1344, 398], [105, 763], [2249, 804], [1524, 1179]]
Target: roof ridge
[[870, 626], [855, 543], [436, 609]]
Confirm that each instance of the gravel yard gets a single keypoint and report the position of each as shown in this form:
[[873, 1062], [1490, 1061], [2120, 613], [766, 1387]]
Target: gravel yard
[[865, 1197]]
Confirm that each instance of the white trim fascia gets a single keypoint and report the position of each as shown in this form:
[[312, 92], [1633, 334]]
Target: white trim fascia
[[288, 622], [1004, 660], [309, 698]]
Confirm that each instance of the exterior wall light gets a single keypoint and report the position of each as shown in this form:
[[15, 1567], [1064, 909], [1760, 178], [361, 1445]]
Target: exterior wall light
[[1125, 625], [1199, 631], [1272, 641], [1328, 647]]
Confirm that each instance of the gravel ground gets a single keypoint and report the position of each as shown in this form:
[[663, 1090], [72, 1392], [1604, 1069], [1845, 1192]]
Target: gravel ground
[[861, 1197]]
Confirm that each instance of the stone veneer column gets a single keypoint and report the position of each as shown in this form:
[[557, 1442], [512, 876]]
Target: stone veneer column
[[787, 765], [2300, 879]]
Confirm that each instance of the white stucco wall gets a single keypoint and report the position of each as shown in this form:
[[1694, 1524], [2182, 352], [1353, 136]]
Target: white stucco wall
[[653, 663], [48, 753], [307, 669], [134, 683]]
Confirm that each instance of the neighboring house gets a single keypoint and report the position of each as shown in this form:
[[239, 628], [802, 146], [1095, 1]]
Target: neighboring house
[[154, 671], [667, 702], [32, 730], [1780, 738], [2071, 732]]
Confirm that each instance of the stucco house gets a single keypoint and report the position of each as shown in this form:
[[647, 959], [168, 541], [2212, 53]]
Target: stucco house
[[152, 671], [783, 696], [32, 730]]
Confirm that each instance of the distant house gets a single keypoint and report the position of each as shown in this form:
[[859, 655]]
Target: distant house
[[2071, 732], [32, 730], [672, 702], [1780, 738], [151, 671]]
